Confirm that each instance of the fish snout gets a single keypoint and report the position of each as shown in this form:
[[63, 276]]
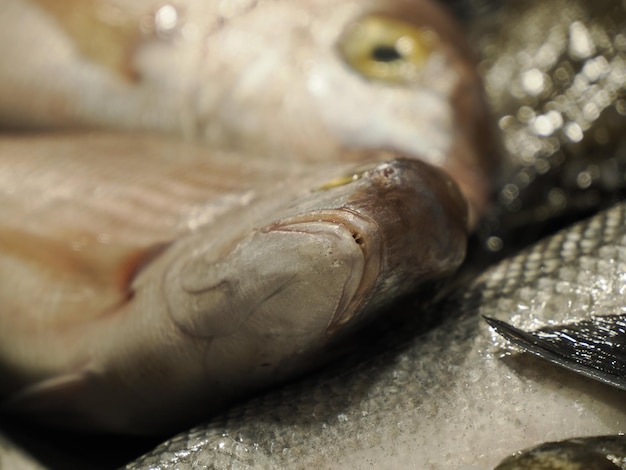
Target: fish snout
[[330, 259], [422, 227], [287, 278], [267, 308]]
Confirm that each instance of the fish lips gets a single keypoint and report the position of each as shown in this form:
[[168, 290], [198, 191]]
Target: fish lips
[[422, 219], [409, 223]]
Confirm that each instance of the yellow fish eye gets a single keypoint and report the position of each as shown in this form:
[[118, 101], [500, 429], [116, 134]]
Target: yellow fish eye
[[382, 48]]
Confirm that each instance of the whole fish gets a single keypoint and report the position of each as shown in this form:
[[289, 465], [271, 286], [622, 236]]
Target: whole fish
[[273, 78]]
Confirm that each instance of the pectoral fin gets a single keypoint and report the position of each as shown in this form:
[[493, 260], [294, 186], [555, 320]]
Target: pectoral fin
[[593, 348], [76, 284], [101, 32]]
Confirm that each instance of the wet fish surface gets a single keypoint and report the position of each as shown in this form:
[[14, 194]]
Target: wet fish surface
[[220, 269], [413, 388], [592, 453], [202, 281], [594, 347], [221, 67], [400, 407]]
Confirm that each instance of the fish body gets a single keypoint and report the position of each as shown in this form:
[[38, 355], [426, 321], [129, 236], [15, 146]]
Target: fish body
[[220, 68], [400, 406], [120, 282]]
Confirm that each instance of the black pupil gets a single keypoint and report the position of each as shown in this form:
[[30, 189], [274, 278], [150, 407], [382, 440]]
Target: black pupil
[[385, 54]]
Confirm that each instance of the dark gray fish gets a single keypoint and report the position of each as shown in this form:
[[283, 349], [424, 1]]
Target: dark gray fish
[[554, 75], [591, 453]]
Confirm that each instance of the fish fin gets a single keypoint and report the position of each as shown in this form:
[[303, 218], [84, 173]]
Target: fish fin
[[593, 348], [597, 452], [68, 401]]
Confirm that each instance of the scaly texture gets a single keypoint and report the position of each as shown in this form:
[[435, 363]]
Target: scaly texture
[[449, 398]]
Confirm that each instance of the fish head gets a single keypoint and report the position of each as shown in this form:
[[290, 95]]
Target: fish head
[[274, 303], [307, 80], [319, 79]]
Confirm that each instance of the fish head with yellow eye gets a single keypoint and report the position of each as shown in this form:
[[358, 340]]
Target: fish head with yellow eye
[[382, 48], [404, 80]]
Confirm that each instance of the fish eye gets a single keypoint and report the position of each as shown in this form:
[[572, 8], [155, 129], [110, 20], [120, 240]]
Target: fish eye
[[386, 49]]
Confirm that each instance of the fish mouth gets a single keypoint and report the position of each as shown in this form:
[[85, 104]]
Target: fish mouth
[[358, 237], [400, 224]]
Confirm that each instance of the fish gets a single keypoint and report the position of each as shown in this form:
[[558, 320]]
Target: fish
[[398, 406], [121, 281], [209, 269], [602, 452], [401, 397], [212, 71]]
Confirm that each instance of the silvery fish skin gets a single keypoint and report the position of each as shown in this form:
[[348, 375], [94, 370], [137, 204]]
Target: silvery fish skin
[[557, 88], [223, 71], [127, 282], [591, 453]]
